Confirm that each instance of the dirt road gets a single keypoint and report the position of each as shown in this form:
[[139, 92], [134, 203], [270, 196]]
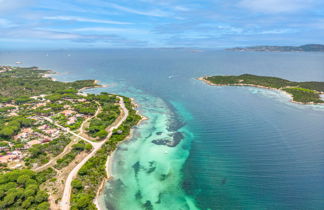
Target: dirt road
[[65, 202]]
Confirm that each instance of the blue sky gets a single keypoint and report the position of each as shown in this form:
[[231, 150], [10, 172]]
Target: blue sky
[[159, 23]]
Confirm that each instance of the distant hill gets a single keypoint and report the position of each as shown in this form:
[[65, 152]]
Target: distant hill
[[303, 48]]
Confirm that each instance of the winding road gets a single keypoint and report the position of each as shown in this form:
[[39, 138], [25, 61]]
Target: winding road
[[66, 197]]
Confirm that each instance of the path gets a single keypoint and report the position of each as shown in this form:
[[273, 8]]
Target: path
[[65, 202], [82, 129], [53, 160], [68, 147]]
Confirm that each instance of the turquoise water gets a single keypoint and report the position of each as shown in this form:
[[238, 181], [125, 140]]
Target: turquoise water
[[240, 148]]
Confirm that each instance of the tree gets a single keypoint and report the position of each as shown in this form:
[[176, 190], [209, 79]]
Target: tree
[[102, 134], [3, 144], [27, 202], [11, 185], [2, 193], [78, 146], [43, 206], [77, 184], [9, 199], [41, 196], [22, 100], [29, 192], [31, 182], [88, 147], [26, 122], [7, 132], [23, 179], [83, 201], [19, 146], [36, 150]]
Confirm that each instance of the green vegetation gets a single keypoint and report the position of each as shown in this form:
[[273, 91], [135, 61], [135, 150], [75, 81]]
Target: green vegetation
[[22, 120], [19, 189], [109, 113], [304, 92], [11, 125], [17, 106], [86, 108], [318, 86], [304, 95], [272, 82], [41, 153], [302, 48], [25, 82], [93, 172], [68, 158]]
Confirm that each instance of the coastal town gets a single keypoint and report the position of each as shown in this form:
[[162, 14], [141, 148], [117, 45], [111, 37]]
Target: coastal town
[[51, 134]]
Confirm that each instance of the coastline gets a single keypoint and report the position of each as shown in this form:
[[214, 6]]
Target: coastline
[[260, 86], [49, 73], [110, 160], [96, 85]]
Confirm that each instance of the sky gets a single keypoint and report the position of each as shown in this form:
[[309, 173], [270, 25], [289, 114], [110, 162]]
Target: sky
[[61, 24]]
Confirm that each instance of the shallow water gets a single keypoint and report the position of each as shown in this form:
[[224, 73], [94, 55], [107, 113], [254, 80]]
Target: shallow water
[[242, 147]]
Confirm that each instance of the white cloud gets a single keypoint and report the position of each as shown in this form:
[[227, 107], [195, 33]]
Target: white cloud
[[43, 34], [181, 8], [275, 6], [36, 34], [150, 12], [81, 19], [154, 13], [111, 30], [278, 31]]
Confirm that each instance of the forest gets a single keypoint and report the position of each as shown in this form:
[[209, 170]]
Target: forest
[[21, 83]]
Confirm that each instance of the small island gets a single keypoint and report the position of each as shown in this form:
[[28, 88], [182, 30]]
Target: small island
[[269, 48], [301, 92]]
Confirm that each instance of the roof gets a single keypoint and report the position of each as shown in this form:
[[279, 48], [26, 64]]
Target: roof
[[33, 142]]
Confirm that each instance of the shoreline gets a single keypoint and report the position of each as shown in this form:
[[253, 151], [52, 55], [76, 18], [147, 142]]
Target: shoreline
[[263, 87], [96, 85], [49, 73], [110, 160]]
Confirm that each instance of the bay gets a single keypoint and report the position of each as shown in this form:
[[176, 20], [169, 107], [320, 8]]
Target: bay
[[240, 148]]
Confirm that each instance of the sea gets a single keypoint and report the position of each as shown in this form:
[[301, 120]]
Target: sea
[[204, 147]]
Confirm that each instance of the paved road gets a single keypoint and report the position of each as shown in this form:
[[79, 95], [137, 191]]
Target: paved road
[[65, 202]]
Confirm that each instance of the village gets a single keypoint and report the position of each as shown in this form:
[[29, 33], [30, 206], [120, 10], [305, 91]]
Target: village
[[18, 136], [51, 133]]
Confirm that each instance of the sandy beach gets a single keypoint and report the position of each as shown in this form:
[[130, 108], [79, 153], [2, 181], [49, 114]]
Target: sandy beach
[[99, 202]]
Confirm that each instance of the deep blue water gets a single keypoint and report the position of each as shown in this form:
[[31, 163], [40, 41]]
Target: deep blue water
[[243, 148]]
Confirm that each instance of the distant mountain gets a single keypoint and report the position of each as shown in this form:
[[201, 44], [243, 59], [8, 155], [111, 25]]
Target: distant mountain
[[303, 48]]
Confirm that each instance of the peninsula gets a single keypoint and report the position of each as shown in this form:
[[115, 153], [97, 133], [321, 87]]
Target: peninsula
[[267, 48], [301, 92], [55, 139]]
